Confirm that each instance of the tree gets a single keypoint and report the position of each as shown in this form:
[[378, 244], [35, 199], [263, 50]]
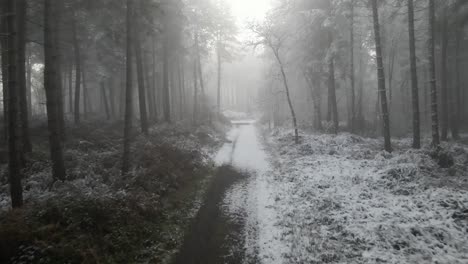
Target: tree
[[14, 176], [432, 72], [76, 48], [381, 78], [351, 75], [141, 85], [21, 56], [414, 77], [128, 91], [274, 41], [52, 84]]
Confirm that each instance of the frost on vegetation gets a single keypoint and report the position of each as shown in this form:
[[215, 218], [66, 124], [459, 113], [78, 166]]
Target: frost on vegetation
[[97, 204], [340, 199]]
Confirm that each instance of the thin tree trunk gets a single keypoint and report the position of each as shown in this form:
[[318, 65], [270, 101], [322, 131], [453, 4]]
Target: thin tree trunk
[[111, 88], [456, 94], [166, 95], [288, 96], [381, 77], [86, 103], [29, 84], [199, 65], [5, 69], [443, 77], [414, 77], [128, 93], [141, 85], [352, 79], [104, 99], [195, 89], [155, 80], [76, 48], [51, 87], [14, 174], [70, 88], [432, 72], [218, 97], [21, 75], [331, 88]]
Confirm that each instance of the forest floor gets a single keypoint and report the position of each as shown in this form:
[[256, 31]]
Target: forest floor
[[250, 196], [341, 199], [97, 216]]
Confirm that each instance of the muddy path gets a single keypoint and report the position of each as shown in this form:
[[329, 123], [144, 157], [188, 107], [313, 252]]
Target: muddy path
[[213, 236]]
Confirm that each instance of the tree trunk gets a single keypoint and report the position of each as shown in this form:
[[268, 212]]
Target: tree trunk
[[21, 75], [29, 84], [218, 97], [286, 87], [352, 79], [5, 69], [414, 77], [14, 174], [432, 72], [155, 80], [332, 94], [104, 99], [111, 88], [70, 88], [443, 77], [166, 96], [128, 93], [51, 87], [456, 95], [199, 66], [76, 48], [86, 103], [141, 85], [195, 90], [381, 79]]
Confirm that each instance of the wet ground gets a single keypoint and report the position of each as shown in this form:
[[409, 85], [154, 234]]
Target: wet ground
[[218, 232]]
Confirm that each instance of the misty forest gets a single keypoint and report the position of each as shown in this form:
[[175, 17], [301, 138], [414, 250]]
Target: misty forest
[[234, 131]]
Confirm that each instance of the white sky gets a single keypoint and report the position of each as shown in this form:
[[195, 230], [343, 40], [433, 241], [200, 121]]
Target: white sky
[[247, 10]]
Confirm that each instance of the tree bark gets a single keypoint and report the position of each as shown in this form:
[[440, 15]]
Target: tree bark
[[86, 102], [218, 97], [128, 92], [5, 69], [51, 87], [414, 77], [352, 79], [381, 79], [444, 112], [14, 174], [456, 95], [432, 72], [76, 48], [288, 96], [70, 88], [29, 85], [21, 75], [195, 90], [141, 85], [166, 95], [331, 87], [104, 99]]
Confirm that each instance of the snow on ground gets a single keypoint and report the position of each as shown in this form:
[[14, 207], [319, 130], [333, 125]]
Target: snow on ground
[[339, 199], [251, 200]]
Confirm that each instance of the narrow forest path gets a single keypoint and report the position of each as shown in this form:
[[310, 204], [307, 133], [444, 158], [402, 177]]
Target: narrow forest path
[[225, 229]]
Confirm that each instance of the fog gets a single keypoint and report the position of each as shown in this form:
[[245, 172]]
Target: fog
[[233, 131]]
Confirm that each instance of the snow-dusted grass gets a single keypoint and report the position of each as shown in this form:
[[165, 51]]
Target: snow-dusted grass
[[340, 199]]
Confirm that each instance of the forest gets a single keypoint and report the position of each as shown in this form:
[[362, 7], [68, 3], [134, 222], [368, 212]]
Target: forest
[[234, 131]]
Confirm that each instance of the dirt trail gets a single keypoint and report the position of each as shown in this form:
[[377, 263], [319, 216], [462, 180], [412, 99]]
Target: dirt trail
[[214, 236]]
